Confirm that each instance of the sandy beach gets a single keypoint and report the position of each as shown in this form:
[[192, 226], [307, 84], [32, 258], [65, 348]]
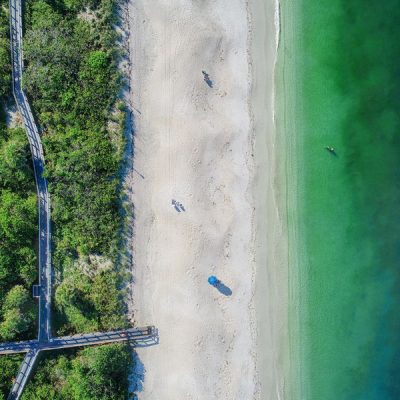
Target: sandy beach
[[210, 148]]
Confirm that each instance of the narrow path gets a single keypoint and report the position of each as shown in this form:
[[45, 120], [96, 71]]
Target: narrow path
[[24, 374], [44, 252]]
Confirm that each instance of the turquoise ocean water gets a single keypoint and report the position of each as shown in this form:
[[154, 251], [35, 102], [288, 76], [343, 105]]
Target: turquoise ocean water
[[339, 81]]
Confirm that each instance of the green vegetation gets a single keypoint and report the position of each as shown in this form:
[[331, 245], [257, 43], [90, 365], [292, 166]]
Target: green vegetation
[[18, 212], [9, 367], [18, 313], [72, 82], [95, 373], [90, 303], [5, 64], [17, 190], [18, 223]]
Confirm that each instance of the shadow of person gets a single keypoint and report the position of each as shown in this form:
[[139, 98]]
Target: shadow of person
[[225, 290], [208, 81]]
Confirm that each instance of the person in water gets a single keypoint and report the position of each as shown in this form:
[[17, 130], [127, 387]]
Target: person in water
[[330, 149]]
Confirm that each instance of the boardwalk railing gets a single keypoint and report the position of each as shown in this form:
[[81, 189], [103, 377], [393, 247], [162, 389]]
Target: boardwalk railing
[[144, 335], [44, 250]]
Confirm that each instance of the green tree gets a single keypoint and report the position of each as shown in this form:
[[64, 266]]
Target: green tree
[[72, 80], [100, 373], [98, 61], [9, 366], [18, 313], [27, 265], [17, 216], [43, 16], [17, 297], [15, 162], [46, 382], [5, 61], [5, 264], [93, 373]]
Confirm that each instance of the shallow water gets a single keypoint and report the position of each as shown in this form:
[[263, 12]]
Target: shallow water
[[348, 71]]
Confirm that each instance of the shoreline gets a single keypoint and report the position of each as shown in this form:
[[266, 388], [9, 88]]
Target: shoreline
[[271, 242], [288, 107], [227, 345]]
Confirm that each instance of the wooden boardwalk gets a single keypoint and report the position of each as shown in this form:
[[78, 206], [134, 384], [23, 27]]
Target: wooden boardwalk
[[137, 336], [147, 336]]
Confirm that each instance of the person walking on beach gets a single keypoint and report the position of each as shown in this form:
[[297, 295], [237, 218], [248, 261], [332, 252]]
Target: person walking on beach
[[207, 79], [178, 206]]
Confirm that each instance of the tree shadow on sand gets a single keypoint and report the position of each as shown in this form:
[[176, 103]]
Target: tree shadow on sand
[[137, 373], [136, 379]]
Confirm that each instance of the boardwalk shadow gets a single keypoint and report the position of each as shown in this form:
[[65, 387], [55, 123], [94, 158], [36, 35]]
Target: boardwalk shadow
[[137, 375], [146, 342], [225, 290]]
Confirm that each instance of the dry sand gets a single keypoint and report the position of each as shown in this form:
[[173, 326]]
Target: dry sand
[[196, 144]]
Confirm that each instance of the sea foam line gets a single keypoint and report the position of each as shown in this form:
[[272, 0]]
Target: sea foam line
[[277, 23]]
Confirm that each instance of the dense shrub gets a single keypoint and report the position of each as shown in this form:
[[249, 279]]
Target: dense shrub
[[18, 230], [9, 366], [72, 81], [18, 313], [94, 373], [5, 64]]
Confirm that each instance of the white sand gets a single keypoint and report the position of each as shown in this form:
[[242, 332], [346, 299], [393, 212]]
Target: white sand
[[195, 144]]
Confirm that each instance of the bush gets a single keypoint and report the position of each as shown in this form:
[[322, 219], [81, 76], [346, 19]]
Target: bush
[[5, 61], [18, 225], [73, 82], [18, 313], [93, 373]]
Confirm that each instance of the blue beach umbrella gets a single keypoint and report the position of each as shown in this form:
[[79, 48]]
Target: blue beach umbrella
[[212, 280]]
